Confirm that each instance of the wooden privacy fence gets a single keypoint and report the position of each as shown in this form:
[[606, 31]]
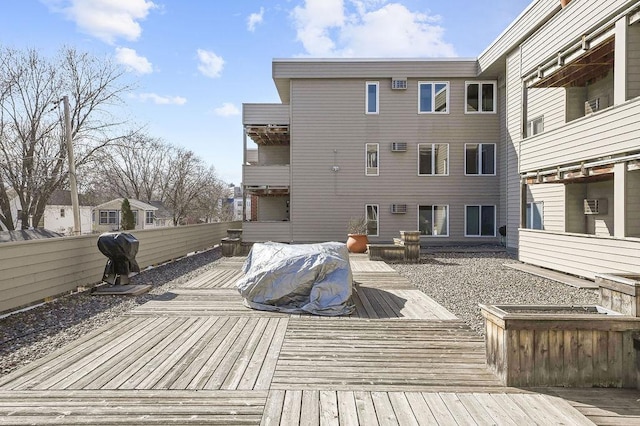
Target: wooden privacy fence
[[33, 271]]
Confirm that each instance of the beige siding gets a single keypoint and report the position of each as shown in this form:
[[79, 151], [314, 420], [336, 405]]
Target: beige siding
[[265, 114], [633, 61], [547, 103], [537, 12], [575, 99], [553, 198], [603, 90], [633, 204], [514, 137], [581, 139], [32, 271], [504, 148], [285, 70], [601, 224], [273, 155], [266, 175], [566, 27], [273, 208], [329, 128], [575, 220], [581, 255], [266, 231]]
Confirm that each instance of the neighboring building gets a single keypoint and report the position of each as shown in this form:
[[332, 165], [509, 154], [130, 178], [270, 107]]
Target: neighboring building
[[107, 216], [58, 214], [162, 216], [539, 133], [239, 203]]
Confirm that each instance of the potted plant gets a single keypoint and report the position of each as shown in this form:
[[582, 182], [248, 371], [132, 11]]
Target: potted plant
[[357, 233]]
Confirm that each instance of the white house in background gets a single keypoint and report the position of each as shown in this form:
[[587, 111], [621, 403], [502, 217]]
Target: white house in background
[[58, 214], [107, 216]]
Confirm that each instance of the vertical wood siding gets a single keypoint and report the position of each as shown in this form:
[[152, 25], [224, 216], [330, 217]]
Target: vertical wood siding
[[32, 271], [329, 128]]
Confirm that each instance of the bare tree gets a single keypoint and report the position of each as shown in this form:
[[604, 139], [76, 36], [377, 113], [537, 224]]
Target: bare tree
[[32, 146]]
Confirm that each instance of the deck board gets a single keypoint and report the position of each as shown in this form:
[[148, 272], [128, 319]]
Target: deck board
[[197, 355]]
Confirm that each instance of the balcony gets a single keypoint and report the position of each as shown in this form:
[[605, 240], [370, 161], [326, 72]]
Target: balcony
[[610, 132], [267, 231], [276, 176]]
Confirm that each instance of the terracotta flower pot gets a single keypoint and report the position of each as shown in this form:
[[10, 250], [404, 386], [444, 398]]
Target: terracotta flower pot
[[563, 3], [357, 243]]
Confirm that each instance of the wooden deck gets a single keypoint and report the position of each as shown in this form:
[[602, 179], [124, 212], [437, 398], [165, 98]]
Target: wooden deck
[[198, 356]]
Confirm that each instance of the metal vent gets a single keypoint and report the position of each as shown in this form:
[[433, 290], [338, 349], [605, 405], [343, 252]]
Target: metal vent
[[595, 206], [398, 208], [398, 146], [399, 83]]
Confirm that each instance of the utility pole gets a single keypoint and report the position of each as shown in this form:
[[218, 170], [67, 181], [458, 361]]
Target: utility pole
[[75, 204]]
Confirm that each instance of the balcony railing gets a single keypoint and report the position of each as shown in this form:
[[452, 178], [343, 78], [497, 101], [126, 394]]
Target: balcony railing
[[266, 231], [613, 131], [266, 175], [579, 254]]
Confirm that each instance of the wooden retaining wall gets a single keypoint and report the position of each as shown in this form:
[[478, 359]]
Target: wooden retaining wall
[[33, 271], [579, 352]]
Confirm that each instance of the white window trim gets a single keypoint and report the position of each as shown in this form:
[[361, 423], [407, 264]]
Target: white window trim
[[433, 159], [529, 207], [495, 212], [433, 97], [432, 206], [146, 217], [366, 98], [366, 159], [495, 159], [366, 216], [530, 126], [480, 83], [117, 214]]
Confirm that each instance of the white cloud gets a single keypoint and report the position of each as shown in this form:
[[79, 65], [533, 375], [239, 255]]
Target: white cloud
[[255, 19], [133, 61], [107, 20], [162, 100], [368, 28], [227, 110], [210, 64]]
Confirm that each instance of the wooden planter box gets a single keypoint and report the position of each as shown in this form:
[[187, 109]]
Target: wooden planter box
[[619, 292], [577, 346]]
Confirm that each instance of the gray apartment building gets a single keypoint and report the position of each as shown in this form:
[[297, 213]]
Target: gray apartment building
[[539, 134]]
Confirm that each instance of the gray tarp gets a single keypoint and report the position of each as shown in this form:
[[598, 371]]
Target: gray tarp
[[313, 278]]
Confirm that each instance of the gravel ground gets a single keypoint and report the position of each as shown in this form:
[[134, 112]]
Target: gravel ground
[[28, 335], [457, 280]]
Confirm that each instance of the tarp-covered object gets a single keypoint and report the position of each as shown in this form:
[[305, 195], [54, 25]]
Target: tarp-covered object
[[121, 249], [313, 278]]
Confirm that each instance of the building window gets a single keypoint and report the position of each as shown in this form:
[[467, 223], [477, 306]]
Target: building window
[[371, 166], [480, 159], [535, 126], [372, 102], [148, 217], [62, 212], [481, 97], [372, 219], [108, 217], [480, 221], [535, 215], [135, 217], [433, 97], [433, 220], [433, 159]]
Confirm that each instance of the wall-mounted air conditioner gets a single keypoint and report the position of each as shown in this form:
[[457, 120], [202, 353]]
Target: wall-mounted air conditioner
[[398, 208], [596, 104], [595, 206], [398, 83], [398, 146]]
